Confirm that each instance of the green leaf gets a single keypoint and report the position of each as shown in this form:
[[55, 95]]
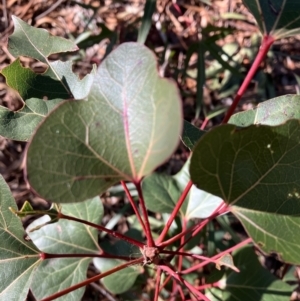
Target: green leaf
[[256, 169], [277, 18], [66, 237], [253, 168], [252, 283], [273, 233], [272, 112], [119, 282], [161, 193], [30, 84], [20, 125], [56, 274], [144, 29], [191, 135], [198, 204], [201, 204], [35, 42], [119, 133], [18, 257], [58, 81]]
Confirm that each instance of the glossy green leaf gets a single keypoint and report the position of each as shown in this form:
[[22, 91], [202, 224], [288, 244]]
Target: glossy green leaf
[[66, 237], [256, 168], [120, 132], [20, 125], [277, 18], [191, 135], [272, 112], [121, 281], [18, 257], [252, 283], [36, 42]]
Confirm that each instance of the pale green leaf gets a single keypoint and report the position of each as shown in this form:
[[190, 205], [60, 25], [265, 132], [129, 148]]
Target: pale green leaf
[[18, 257], [66, 237], [119, 133], [121, 281], [20, 125], [271, 112]]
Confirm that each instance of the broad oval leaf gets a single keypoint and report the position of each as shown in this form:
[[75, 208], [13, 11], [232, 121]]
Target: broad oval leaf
[[18, 257], [277, 18], [61, 238], [119, 133], [271, 112], [255, 169]]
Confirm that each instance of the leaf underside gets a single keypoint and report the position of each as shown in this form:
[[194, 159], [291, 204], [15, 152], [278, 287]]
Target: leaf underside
[[119, 133]]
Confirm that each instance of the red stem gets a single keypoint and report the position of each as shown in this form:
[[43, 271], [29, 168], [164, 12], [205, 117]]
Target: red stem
[[186, 283], [195, 228], [157, 285], [180, 257], [101, 228], [133, 205], [174, 213], [265, 46], [92, 279], [45, 256], [150, 241], [214, 258]]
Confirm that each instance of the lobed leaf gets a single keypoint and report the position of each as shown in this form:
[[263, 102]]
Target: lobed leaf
[[119, 133]]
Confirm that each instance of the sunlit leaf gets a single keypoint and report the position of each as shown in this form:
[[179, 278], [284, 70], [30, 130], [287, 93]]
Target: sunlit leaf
[[271, 112], [119, 133], [36, 42]]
